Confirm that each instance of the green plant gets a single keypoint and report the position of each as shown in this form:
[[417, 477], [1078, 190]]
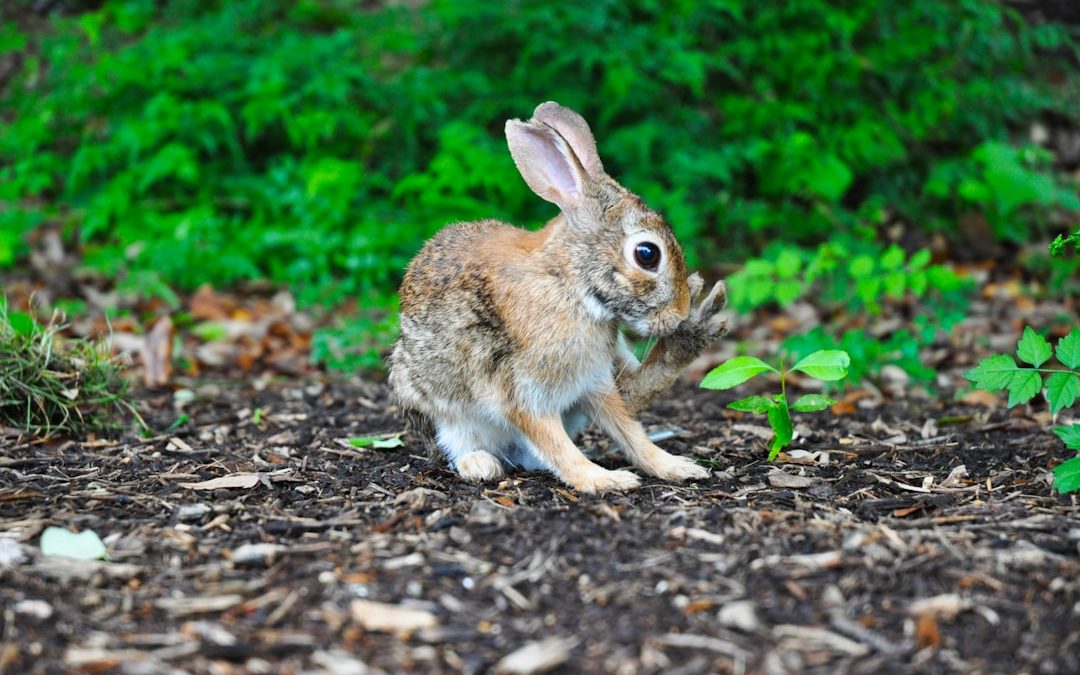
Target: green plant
[[828, 365], [325, 140], [1061, 242], [50, 387], [859, 278], [1061, 387], [854, 275]]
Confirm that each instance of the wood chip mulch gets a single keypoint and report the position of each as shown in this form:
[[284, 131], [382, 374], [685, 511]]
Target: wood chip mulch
[[904, 537]]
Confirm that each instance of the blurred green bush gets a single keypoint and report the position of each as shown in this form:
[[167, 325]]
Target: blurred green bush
[[317, 143]]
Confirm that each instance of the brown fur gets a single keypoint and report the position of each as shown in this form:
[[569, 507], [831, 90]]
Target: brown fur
[[506, 331]]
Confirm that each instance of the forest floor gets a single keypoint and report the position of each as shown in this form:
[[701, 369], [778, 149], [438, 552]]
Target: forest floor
[[909, 530], [896, 544]]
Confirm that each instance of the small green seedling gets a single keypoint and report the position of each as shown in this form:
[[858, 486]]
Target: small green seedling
[[1062, 387], [827, 365]]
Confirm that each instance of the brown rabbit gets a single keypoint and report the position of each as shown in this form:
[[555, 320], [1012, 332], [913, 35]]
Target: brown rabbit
[[510, 339]]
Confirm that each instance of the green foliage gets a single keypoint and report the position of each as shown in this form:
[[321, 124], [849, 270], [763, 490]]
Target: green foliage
[[318, 143], [1000, 371], [48, 387], [1000, 180], [1061, 242], [1062, 387], [869, 353], [853, 275], [1067, 474], [828, 365]]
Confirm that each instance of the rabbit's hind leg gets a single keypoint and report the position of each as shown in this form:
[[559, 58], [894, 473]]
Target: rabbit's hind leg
[[466, 445]]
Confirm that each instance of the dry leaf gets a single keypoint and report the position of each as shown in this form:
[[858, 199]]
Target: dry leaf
[[157, 353], [233, 480], [985, 399], [926, 632]]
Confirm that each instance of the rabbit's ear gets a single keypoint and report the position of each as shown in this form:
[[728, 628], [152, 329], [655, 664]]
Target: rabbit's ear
[[575, 130], [546, 162]]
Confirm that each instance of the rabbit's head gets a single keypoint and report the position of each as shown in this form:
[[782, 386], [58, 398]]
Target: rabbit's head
[[622, 256]]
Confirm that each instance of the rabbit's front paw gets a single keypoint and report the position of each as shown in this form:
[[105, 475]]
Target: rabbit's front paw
[[703, 326], [595, 480], [480, 466], [676, 468]]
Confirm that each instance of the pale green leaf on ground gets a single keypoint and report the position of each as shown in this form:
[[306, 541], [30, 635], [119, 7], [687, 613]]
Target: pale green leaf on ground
[[86, 545], [1069, 435], [384, 442], [993, 373], [1062, 390], [1033, 348], [734, 372], [1067, 475], [825, 364], [1023, 386], [780, 419], [752, 404], [1068, 349], [812, 403]]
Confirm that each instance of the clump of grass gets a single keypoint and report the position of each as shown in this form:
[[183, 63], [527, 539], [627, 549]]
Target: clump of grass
[[50, 386]]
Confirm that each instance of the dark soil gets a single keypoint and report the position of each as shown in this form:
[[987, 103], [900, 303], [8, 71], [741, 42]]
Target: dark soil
[[873, 561]]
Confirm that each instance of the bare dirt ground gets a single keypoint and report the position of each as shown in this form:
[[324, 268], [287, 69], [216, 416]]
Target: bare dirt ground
[[917, 537]]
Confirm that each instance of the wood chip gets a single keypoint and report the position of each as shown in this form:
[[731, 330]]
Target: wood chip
[[233, 480], [536, 657], [198, 604], [781, 479], [387, 618], [945, 606], [809, 638]]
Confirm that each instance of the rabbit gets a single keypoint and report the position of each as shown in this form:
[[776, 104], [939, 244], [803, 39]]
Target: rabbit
[[510, 339]]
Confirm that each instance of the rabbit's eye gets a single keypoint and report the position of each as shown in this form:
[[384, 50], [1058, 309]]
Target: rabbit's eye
[[647, 255]]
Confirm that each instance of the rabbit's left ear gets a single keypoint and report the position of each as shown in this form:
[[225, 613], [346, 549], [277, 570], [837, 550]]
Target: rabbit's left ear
[[575, 130], [547, 163]]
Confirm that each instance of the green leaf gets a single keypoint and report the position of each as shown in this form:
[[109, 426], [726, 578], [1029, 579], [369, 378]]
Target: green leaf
[[1067, 475], [1069, 435], [812, 403], [1033, 348], [825, 364], [734, 372], [780, 419], [893, 258], [1023, 386], [752, 404], [919, 259], [384, 442], [23, 323], [1068, 349], [993, 372], [56, 541], [1062, 390]]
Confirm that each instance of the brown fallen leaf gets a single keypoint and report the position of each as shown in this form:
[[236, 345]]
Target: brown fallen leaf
[[207, 305], [982, 398], [157, 353], [904, 512], [241, 480], [926, 631]]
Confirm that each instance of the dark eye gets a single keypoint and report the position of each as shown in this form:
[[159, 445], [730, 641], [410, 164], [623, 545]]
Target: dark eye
[[647, 255]]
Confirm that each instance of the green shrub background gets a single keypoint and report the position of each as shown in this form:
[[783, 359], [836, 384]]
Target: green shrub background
[[318, 143]]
